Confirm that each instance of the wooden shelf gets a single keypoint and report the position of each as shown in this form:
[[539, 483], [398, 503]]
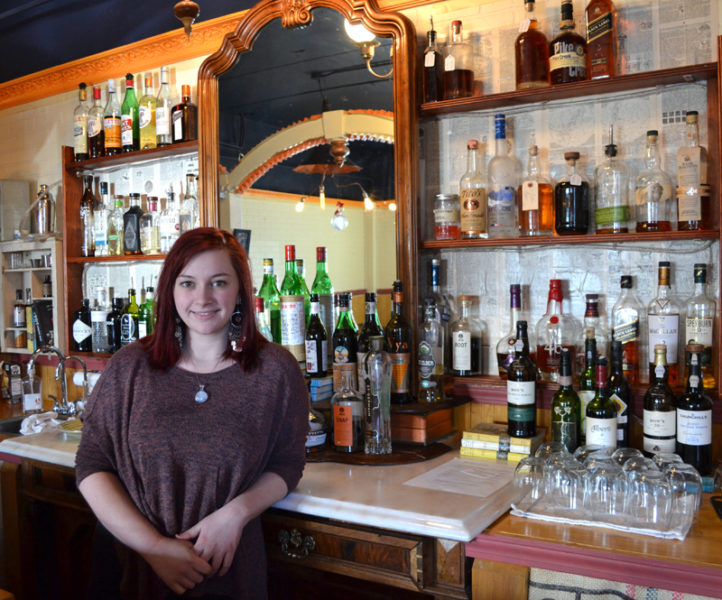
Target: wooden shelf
[[579, 89], [136, 157], [114, 259]]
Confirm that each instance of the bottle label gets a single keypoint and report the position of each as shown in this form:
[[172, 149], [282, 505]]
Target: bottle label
[[80, 134], [530, 195], [568, 55], [600, 26], [425, 360], [343, 426], [699, 329], [400, 372], [653, 193], [657, 446], [130, 238], [473, 210], [19, 316], [611, 215], [111, 126], [659, 423], [338, 371], [32, 403], [128, 329], [95, 126], [162, 122], [663, 329], [142, 328], [293, 325], [688, 168], [524, 25], [450, 63], [145, 114], [429, 59], [585, 397], [626, 332], [521, 393], [443, 216], [622, 415], [177, 118], [312, 366], [601, 432], [81, 331], [461, 359], [689, 207], [501, 199], [126, 130], [694, 427]]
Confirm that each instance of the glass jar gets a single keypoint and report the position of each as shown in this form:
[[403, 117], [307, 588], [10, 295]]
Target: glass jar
[[446, 217]]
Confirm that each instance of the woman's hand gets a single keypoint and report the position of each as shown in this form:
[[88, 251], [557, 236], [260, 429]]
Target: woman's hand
[[177, 564], [216, 538]]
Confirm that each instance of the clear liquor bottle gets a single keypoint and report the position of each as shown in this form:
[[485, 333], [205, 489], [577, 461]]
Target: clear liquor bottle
[[378, 369], [472, 195], [620, 393], [521, 388], [444, 309], [572, 201], [611, 185], [129, 119], [370, 327], [271, 300], [82, 326], [566, 407], [536, 200], [99, 321], [146, 115], [131, 226], [602, 48], [398, 344], [115, 228], [693, 191], [169, 223], [316, 341], [601, 421], [653, 191], [100, 221], [163, 108], [433, 81], [531, 51], [80, 125], [458, 65], [96, 135], [506, 346], [293, 317], [111, 122], [568, 50], [430, 356], [345, 344], [700, 327], [150, 228], [184, 118], [663, 324], [627, 321], [190, 207], [87, 204], [466, 340], [554, 331], [659, 419], [504, 175]]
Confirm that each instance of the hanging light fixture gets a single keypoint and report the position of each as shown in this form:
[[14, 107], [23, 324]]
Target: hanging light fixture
[[300, 204], [187, 11]]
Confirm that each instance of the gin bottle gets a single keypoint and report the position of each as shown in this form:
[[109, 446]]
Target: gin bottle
[[653, 191], [503, 184], [131, 226], [377, 400], [700, 326], [611, 183], [663, 324]]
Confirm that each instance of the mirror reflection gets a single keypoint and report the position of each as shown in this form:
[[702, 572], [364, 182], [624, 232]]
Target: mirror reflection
[[306, 135]]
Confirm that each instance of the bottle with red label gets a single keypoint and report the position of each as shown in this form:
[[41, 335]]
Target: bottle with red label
[[130, 117], [111, 122]]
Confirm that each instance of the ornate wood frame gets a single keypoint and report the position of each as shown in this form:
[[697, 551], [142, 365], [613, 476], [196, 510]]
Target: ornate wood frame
[[295, 13]]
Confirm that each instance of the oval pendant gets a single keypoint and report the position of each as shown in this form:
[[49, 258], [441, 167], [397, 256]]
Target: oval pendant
[[201, 396]]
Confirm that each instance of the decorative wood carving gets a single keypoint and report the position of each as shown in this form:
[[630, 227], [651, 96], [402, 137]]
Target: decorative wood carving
[[295, 13]]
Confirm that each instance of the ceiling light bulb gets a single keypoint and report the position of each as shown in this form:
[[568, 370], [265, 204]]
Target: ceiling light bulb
[[392, 206], [322, 197], [357, 32], [368, 203], [299, 204]]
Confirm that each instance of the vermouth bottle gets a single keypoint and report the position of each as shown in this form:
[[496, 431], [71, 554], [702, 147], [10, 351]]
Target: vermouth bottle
[[129, 117], [566, 411], [111, 122], [659, 426], [653, 191], [316, 342], [293, 318], [96, 136], [693, 191], [568, 50], [398, 344], [271, 300], [80, 125], [521, 388], [663, 324], [601, 18], [531, 51], [700, 326], [601, 421], [163, 110]]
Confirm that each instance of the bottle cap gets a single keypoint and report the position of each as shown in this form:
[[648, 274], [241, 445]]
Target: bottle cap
[[290, 252], [571, 155], [626, 282], [320, 253], [370, 296], [472, 144], [314, 297]]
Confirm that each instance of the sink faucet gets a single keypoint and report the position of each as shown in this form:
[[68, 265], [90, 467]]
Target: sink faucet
[[63, 407]]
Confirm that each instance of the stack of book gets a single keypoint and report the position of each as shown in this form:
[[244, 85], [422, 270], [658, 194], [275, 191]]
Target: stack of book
[[321, 388], [490, 440]]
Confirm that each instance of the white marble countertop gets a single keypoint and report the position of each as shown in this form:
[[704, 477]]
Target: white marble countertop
[[376, 496]]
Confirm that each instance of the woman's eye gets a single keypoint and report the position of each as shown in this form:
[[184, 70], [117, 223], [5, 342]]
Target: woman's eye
[[186, 284], [219, 283]]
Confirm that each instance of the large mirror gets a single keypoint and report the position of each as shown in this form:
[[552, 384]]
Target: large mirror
[[292, 118]]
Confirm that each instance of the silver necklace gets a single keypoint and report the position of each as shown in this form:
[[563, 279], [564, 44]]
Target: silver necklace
[[201, 395]]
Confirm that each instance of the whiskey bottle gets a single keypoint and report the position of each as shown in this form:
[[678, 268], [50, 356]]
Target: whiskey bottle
[[554, 331], [87, 203], [627, 318], [566, 408], [96, 135], [653, 191], [567, 51], [398, 344], [458, 69], [163, 109], [601, 21], [129, 119], [472, 195], [131, 226], [571, 200], [693, 191], [536, 200], [146, 115], [611, 183], [601, 421], [111, 122], [521, 388], [184, 118], [504, 175], [531, 51], [700, 327], [80, 125], [663, 324], [433, 81], [659, 426]]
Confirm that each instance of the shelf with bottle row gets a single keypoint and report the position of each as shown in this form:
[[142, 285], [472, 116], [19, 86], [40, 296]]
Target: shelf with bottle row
[[577, 89], [134, 158]]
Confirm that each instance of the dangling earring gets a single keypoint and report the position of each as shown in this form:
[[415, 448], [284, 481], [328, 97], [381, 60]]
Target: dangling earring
[[178, 332], [234, 329]]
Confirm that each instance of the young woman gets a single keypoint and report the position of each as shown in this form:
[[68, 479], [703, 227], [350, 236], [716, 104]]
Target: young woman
[[194, 431]]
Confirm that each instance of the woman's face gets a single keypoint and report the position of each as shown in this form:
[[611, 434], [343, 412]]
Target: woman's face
[[205, 293]]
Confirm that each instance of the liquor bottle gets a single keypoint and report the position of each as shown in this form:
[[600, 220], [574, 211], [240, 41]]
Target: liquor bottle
[[371, 327], [601, 17], [115, 228], [271, 300], [504, 175], [472, 195], [129, 320], [190, 208], [659, 419], [96, 136], [169, 224], [19, 310], [131, 226], [323, 286], [378, 398], [536, 200], [587, 380], [100, 222], [345, 346], [114, 317], [347, 409], [458, 65], [163, 109], [300, 270], [47, 287], [316, 341], [465, 334], [653, 191], [571, 199], [87, 203], [146, 314], [146, 115], [699, 326], [184, 118], [99, 321], [433, 81], [398, 343], [82, 328], [611, 184], [430, 356], [693, 191], [531, 51], [627, 317], [663, 324], [568, 50], [150, 228], [566, 407], [554, 331], [593, 319], [505, 347], [293, 318], [129, 119], [601, 421], [111, 122], [694, 417], [521, 388], [261, 321], [444, 309], [29, 328], [80, 125], [620, 393]]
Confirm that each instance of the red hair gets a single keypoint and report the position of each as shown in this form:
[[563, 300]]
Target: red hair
[[162, 345]]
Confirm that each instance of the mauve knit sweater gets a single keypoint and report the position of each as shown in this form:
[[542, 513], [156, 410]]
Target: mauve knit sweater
[[179, 460]]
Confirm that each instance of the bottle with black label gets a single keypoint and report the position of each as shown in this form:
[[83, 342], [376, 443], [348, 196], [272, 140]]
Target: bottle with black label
[[568, 50], [131, 226], [659, 421], [82, 328], [114, 318]]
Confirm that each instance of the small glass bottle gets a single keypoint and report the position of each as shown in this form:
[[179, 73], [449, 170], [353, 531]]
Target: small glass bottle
[[115, 228], [184, 118], [472, 195], [506, 346], [653, 191], [398, 344], [99, 320], [531, 51], [536, 200], [659, 419], [700, 326], [344, 344], [100, 221], [571, 200], [458, 65], [601, 21], [627, 319], [554, 331], [521, 388], [430, 356], [611, 184], [504, 174], [80, 125], [87, 204], [433, 81], [316, 341], [466, 342], [446, 217], [601, 421], [693, 190], [150, 228], [568, 50], [663, 324], [163, 109], [566, 408], [377, 399], [131, 226], [370, 327], [347, 409], [620, 393]]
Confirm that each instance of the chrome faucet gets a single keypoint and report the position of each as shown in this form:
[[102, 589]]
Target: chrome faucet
[[63, 407]]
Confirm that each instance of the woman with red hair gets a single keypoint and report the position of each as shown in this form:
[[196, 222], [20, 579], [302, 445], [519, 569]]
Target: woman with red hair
[[193, 431]]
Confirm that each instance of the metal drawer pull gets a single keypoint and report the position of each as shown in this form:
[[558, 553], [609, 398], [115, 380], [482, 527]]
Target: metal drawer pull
[[301, 546]]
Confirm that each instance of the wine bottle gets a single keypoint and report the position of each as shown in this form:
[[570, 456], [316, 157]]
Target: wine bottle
[[146, 314], [345, 351], [163, 109], [96, 135], [601, 412], [271, 300], [659, 426], [114, 317], [87, 203], [371, 327], [316, 342], [129, 320], [566, 407], [293, 318], [506, 346], [129, 117], [184, 118], [80, 125], [398, 343], [111, 122], [521, 388], [587, 380], [620, 393]]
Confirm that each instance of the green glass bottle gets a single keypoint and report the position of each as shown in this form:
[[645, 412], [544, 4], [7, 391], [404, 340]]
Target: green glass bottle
[[601, 420], [587, 380], [344, 344], [619, 392], [146, 314], [521, 391], [130, 117], [323, 286], [293, 316], [398, 344], [566, 412], [301, 272], [271, 300], [129, 320]]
